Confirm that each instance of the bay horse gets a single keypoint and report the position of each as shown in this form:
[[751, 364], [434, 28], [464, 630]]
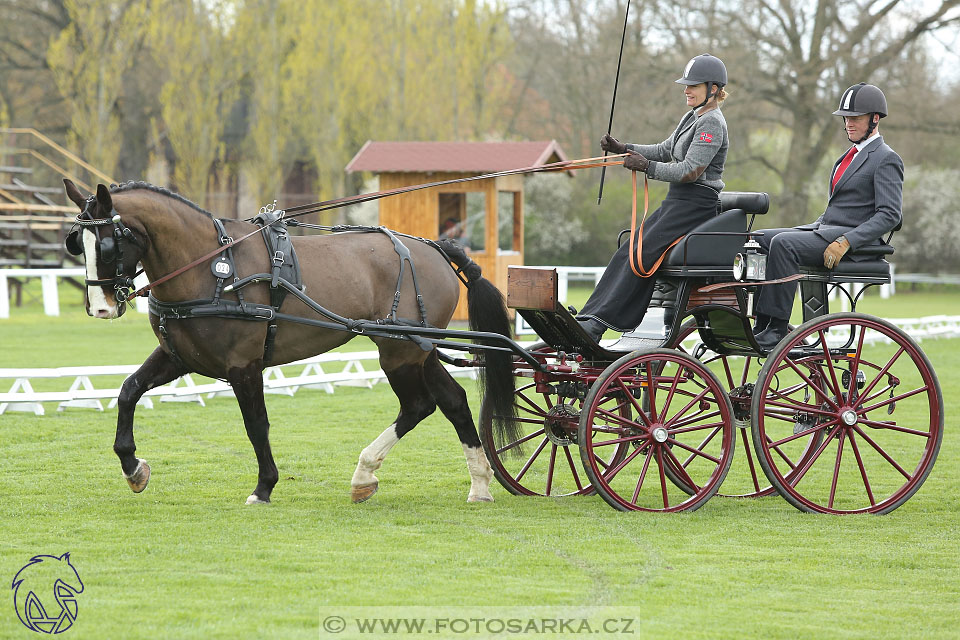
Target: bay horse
[[353, 274]]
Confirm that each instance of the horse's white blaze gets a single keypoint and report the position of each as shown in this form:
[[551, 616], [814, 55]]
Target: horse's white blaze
[[372, 457], [480, 474], [99, 306]]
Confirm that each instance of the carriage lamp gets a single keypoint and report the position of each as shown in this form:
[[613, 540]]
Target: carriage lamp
[[750, 264]]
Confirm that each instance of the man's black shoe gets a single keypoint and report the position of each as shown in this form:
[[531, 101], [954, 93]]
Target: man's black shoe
[[594, 328], [761, 323], [776, 331]]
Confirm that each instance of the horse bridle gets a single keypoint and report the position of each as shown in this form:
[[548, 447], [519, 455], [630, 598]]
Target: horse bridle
[[110, 248]]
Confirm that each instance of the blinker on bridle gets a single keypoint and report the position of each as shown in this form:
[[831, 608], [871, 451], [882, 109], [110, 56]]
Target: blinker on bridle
[[111, 249]]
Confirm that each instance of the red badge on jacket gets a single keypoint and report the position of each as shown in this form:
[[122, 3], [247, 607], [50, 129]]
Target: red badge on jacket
[[706, 137]]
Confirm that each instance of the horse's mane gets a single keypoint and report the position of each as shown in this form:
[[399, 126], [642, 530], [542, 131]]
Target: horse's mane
[[140, 184]]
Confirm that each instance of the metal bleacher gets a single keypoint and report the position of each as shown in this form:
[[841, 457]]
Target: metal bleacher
[[34, 212]]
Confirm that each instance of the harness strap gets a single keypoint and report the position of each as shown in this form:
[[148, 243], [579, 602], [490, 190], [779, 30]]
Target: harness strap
[[636, 251], [405, 258]]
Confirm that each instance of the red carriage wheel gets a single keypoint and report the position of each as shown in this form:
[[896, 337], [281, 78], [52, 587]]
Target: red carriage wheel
[[746, 478], [540, 462], [871, 397], [675, 417]]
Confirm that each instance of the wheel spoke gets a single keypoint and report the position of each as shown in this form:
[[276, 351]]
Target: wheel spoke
[[705, 442], [863, 470], [808, 408], [883, 453], [613, 417], [855, 366], [633, 401], [882, 372], [805, 432], [605, 443], [673, 388], [908, 394], [810, 382], [728, 373], [802, 471], [573, 468], [680, 425], [894, 427], [534, 408], [553, 463], [533, 457], [643, 474], [612, 472], [669, 423], [746, 370], [679, 468], [692, 450], [699, 427], [663, 479], [830, 368], [836, 469], [533, 435], [748, 451]]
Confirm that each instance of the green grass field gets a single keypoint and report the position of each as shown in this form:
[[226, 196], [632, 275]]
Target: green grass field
[[187, 559]]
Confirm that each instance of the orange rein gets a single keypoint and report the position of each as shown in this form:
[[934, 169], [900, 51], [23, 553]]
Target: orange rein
[[636, 254]]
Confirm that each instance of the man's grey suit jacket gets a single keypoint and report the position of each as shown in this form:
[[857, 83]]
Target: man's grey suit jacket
[[866, 204]]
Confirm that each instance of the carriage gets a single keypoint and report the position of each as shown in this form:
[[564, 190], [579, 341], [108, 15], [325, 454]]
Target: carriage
[[844, 415]]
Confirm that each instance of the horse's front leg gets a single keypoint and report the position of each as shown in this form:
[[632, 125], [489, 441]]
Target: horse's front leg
[[248, 387], [158, 369]]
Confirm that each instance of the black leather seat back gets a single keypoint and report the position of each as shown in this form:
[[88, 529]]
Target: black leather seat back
[[698, 249], [752, 202]]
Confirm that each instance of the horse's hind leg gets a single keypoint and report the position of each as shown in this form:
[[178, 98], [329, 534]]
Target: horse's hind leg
[[158, 369], [416, 404], [452, 400], [247, 385]]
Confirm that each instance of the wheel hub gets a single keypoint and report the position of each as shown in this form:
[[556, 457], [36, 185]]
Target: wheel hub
[[849, 417], [659, 434], [560, 424]]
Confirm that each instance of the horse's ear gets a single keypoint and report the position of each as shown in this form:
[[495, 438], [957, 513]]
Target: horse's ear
[[74, 194], [104, 199]]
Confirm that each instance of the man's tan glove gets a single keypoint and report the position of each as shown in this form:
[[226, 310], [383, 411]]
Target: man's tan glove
[[835, 250]]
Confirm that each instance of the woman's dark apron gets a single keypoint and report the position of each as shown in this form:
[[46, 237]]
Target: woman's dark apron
[[621, 298]]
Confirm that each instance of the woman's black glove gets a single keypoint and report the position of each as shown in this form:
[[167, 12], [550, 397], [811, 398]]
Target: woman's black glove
[[611, 145], [636, 162]]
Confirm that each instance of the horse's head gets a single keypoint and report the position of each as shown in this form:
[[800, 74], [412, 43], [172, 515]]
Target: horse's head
[[111, 251]]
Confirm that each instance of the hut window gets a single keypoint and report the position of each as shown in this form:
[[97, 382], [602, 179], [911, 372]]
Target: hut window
[[463, 217], [507, 222]]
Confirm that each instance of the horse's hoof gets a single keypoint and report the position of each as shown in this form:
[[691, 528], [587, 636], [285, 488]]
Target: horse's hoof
[[138, 479], [364, 492], [253, 499], [479, 498]]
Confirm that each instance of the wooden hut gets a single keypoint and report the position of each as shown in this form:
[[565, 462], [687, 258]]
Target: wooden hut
[[485, 216]]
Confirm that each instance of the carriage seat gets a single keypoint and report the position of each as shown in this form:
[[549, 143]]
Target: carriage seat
[[847, 270], [701, 247]]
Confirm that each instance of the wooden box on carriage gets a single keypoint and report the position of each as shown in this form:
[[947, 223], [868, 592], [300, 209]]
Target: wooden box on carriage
[[532, 288]]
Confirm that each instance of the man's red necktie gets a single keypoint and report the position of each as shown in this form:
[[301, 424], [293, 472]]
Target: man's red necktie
[[847, 159]]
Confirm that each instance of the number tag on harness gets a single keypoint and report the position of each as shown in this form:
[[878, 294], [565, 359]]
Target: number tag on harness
[[221, 268]]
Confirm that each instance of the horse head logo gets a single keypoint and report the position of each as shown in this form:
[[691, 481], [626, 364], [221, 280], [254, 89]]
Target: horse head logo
[[45, 593]]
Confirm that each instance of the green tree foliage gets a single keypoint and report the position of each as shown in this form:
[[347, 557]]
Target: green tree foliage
[[191, 40], [88, 60]]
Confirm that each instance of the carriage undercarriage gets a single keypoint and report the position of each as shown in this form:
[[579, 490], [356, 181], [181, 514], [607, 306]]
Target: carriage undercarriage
[[845, 415]]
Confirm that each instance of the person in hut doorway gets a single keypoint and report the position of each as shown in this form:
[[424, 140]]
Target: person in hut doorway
[[691, 160], [865, 197]]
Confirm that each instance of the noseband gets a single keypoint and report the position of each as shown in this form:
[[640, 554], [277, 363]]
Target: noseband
[[111, 248]]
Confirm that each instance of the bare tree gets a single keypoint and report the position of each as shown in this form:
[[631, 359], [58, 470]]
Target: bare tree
[[808, 53]]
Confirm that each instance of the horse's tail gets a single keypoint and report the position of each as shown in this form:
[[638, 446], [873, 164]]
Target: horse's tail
[[488, 312]]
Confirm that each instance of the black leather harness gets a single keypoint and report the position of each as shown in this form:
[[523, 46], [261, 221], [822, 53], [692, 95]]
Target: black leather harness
[[283, 278]]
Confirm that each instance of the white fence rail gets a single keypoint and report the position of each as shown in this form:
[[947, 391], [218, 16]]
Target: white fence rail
[[283, 379], [48, 285]]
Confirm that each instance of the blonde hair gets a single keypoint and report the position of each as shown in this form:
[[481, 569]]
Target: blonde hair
[[721, 95]]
